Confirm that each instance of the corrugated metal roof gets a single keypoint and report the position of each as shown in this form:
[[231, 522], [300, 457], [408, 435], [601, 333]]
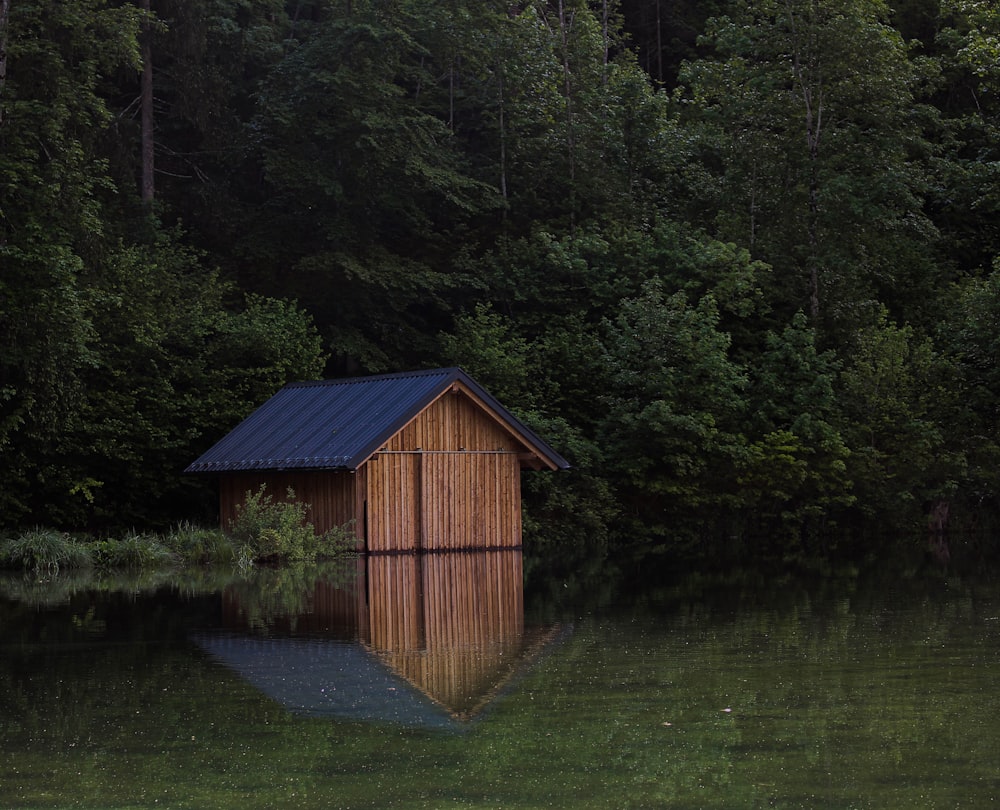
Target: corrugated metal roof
[[338, 424]]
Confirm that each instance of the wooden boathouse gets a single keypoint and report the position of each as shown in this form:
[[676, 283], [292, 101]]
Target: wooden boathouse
[[419, 461]]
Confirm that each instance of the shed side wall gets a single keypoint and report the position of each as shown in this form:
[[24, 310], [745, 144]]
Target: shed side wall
[[332, 496]]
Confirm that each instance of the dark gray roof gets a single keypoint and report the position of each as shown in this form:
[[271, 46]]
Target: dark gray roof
[[339, 424]]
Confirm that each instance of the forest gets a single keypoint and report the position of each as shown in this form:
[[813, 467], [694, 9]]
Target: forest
[[737, 260]]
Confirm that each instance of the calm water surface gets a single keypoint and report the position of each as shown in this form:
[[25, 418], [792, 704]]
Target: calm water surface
[[428, 683]]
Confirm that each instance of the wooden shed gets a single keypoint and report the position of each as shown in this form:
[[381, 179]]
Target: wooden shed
[[424, 460]]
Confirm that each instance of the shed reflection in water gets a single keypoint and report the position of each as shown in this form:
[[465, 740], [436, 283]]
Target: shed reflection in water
[[425, 640]]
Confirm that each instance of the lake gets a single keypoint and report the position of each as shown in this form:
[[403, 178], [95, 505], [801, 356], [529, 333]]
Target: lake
[[434, 682]]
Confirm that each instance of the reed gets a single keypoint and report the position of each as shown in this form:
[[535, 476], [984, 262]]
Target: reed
[[135, 550], [42, 549], [197, 545]]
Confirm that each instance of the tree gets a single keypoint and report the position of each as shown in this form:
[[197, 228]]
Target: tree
[[965, 204], [122, 352], [147, 187], [52, 183], [663, 33], [969, 336], [567, 517], [820, 150], [899, 397], [672, 406], [362, 188], [793, 478], [176, 367], [170, 367], [4, 25]]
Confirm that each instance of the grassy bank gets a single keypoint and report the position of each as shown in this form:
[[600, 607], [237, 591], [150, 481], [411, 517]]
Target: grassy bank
[[44, 549], [265, 529]]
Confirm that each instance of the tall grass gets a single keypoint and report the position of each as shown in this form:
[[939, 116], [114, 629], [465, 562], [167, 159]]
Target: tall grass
[[42, 550], [136, 550], [197, 545], [265, 529]]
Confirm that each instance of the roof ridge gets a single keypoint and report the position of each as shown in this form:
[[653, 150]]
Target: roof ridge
[[367, 378]]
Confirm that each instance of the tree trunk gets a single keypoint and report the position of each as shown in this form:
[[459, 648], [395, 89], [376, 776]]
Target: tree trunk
[[809, 77], [148, 187], [565, 23], [659, 43], [605, 16], [503, 140], [4, 17]]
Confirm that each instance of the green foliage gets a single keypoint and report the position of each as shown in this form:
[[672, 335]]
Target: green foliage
[[569, 516], [897, 392], [968, 336], [370, 186], [136, 550], [267, 530], [170, 366], [199, 545], [808, 107], [486, 345], [966, 88], [43, 550], [672, 408], [52, 182], [361, 183], [793, 479]]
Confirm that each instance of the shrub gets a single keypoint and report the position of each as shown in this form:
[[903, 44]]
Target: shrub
[[43, 550], [265, 529]]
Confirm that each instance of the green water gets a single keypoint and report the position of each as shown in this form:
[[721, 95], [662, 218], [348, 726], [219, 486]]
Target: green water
[[757, 692]]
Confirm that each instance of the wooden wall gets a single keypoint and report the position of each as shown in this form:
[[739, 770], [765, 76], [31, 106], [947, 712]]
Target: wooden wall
[[443, 501], [471, 500], [393, 495], [455, 422], [449, 480]]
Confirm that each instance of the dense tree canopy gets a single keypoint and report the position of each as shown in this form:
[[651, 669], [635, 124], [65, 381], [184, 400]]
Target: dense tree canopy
[[736, 259]]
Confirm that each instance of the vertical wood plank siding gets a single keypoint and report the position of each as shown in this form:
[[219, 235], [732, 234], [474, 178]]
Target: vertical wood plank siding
[[471, 500], [453, 422], [393, 502], [449, 480]]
